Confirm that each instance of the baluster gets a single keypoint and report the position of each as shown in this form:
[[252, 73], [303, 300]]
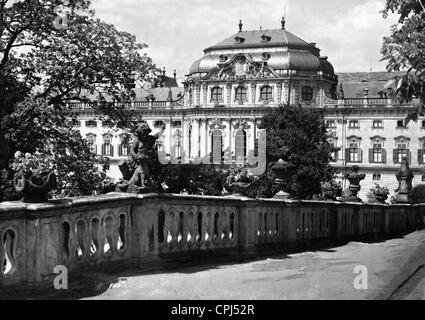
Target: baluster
[[95, 229]]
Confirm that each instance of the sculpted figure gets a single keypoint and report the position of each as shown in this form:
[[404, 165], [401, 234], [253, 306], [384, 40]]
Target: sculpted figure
[[142, 152]]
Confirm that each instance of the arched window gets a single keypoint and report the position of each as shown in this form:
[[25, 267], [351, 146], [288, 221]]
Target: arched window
[[266, 94], [307, 93], [91, 141], [240, 144], [217, 146], [241, 94], [216, 95], [107, 148], [124, 149]]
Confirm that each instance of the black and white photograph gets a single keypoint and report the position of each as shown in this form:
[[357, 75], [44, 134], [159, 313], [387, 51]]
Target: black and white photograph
[[212, 154]]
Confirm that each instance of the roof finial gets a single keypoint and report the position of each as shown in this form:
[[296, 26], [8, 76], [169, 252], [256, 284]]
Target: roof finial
[[175, 73], [261, 27], [283, 22], [240, 25]]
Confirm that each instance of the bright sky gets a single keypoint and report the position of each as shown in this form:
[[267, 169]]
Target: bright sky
[[349, 32]]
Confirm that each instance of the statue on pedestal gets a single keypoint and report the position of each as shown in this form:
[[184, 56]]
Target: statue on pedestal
[[354, 177], [142, 156], [404, 178]]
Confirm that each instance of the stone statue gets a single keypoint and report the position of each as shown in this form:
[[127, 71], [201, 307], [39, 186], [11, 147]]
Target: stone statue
[[142, 153], [404, 177], [354, 177]]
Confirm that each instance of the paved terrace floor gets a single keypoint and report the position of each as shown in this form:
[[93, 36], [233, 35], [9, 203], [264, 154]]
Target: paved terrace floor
[[395, 271]]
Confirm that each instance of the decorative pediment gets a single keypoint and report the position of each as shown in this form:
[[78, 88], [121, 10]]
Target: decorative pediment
[[401, 139], [241, 67], [377, 138], [355, 138], [241, 124], [217, 124]]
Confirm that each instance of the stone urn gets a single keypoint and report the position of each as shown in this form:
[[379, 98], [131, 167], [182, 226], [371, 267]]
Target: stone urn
[[35, 187], [280, 170], [381, 197], [328, 193], [354, 178], [238, 189]]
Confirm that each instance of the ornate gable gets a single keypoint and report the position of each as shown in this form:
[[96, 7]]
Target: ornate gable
[[241, 67]]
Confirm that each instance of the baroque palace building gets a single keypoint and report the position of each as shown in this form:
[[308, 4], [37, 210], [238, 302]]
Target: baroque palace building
[[215, 114]]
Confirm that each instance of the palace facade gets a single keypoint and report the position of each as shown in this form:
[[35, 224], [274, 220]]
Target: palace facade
[[215, 113]]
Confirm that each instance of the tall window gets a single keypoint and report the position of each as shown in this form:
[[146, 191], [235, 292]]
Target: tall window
[[377, 154], [216, 95], [307, 93], [334, 155], [124, 149], [376, 177], [217, 146], [402, 150], [354, 153], [107, 148], [266, 94], [91, 141], [240, 144], [241, 94], [421, 152]]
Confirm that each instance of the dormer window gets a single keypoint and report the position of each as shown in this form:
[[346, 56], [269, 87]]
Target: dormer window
[[239, 40], [223, 58], [265, 56], [265, 38]]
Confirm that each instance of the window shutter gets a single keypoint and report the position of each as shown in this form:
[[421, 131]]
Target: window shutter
[[370, 155], [103, 149], [395, 156], [95, 149], [120, 150], [347, 155], [360, 153], [112, 151], [420, 157], [336, 155], [384, 156], [409, 157]]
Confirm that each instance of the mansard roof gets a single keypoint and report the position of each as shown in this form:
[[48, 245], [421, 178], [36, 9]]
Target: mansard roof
[[264, 39]]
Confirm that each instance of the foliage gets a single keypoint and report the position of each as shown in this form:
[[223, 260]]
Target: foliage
[[263, 186], [32, 164], [404, 50], [193, 179], [418, 194], [377, 189], [332, 186], [299, 137], [43, 66]]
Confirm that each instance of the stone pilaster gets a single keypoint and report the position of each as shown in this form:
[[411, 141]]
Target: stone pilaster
[[204, 95], [253, 93], [229, 93]]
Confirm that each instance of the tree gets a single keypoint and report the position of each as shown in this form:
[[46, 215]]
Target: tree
[[53, 52], [298, 136], [404, 50]]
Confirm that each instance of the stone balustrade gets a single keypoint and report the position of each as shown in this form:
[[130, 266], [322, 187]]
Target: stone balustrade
[[119, 231]]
